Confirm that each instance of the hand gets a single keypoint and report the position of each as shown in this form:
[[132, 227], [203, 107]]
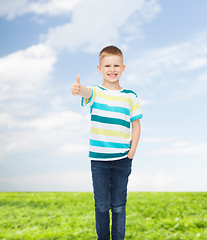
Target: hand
[[75, 89], [130, 155]]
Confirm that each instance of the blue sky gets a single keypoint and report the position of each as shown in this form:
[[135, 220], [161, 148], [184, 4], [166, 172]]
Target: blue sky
[[43, 129]]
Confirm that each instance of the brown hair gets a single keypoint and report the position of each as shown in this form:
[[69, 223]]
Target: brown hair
[[109, 50]]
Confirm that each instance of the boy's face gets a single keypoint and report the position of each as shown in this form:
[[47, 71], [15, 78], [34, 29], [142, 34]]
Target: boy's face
[[111, 67]]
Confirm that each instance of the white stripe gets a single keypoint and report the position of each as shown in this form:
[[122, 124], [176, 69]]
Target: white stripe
[[136, 112], [88, 104], [112, 103], [107, 150], [106, 159], [114, 92]]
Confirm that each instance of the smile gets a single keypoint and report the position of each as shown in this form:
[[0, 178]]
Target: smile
[[112, 75]]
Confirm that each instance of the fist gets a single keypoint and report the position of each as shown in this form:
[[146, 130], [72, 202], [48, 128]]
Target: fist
[[75, 89]]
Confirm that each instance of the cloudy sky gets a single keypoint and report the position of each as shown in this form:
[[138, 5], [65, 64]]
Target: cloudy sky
[[44, 131]]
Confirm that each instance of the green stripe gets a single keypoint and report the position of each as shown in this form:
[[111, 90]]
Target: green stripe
[[128, 91], [108, 120], [106, 155], [102, 88], [97, 143]]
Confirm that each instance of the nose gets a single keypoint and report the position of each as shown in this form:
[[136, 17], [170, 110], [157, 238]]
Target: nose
[[112, 68]]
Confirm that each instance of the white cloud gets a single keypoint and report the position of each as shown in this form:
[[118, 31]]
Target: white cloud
[[60, 130], [183, 148], [53, 7], [155, 139], [184, 57], [200, 86], [97, 23], [149, 182], [180, 67], [24, 72], [59, 181], [55, 120], [81, 181], [162, 181], [196, 63], [180, 144], [6, 121], [11, 8], [67, 149]]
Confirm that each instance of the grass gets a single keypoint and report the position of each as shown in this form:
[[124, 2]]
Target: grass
[[173, 216], [150, 216]]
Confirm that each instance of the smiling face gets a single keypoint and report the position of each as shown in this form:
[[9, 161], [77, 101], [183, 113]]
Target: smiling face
[[111, 67]]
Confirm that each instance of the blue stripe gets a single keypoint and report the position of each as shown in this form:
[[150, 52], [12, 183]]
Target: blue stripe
[[105, 107], [136, 117], [106, 155], [97, 143]]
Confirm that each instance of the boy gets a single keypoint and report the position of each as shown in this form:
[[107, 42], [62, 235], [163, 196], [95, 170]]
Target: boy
[[115, 132]]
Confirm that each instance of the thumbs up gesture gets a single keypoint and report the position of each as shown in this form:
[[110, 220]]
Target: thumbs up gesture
[[75, 89]]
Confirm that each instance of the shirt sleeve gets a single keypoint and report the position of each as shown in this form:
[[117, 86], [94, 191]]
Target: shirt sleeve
[[135, 111], [89, 101]]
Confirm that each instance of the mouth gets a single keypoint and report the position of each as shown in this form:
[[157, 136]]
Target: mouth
[[112, 75]]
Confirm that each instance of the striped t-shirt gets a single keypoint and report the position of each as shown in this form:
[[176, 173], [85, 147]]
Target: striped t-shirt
[[112, 112]]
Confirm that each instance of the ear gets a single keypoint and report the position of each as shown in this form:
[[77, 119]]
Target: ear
[[123, 68], [99, 68]]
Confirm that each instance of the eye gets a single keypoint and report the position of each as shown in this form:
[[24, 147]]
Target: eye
[[116, 66], [107, 66]]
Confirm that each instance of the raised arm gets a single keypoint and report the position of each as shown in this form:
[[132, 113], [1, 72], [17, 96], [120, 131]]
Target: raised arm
[[78, 89]]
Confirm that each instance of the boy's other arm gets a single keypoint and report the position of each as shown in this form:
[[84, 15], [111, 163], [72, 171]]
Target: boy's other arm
[[78, 89], [136, 129]]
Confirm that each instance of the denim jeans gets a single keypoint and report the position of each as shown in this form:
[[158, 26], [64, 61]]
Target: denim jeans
[[110, 179]]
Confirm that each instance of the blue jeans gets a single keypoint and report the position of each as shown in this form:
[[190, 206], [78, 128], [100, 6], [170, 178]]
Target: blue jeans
[[110, 179]]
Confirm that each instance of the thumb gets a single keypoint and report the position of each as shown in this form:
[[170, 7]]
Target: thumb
[[78, 79]]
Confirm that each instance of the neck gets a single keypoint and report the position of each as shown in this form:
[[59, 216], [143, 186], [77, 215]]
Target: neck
[[112, 86]]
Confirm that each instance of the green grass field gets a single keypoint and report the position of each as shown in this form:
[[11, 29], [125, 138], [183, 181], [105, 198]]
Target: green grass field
[[157, 216]]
